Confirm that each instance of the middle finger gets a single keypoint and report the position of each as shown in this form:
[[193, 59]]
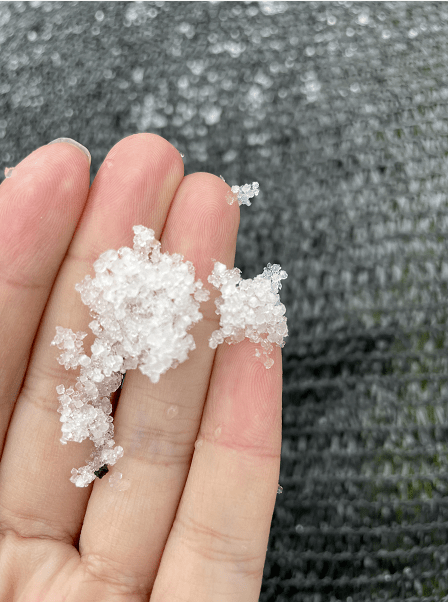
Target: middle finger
[[124, 532], [135, 185]]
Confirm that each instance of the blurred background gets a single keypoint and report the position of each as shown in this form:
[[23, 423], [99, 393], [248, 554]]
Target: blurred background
[[339, 111]]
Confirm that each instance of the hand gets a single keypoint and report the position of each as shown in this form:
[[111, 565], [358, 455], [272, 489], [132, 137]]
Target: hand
[[194, 523]]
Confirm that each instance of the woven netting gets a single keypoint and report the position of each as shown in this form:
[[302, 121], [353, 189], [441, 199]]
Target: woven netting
[[339, 110]]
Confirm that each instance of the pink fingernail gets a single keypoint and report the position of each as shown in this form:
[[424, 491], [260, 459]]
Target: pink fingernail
[[74, 143]]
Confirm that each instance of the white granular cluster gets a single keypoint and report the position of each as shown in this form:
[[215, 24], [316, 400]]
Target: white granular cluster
[[242, 194], [143, 303], [250, 308], [142, 310]]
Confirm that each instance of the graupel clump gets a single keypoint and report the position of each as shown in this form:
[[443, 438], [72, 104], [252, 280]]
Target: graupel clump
[[243, 193], [143, 303], [142, 309], [250, 308]]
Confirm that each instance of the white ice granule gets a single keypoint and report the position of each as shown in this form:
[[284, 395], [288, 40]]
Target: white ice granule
[[242, 194], [142, 309], [250, 308]]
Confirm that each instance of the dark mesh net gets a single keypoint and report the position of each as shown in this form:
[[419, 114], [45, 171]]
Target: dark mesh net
[[339, 110]]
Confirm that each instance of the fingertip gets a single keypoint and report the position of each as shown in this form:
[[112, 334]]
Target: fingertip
[[148, 145], [248, 396], [201, 225], [76, 145]]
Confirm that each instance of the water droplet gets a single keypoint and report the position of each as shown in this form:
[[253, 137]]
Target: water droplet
[[117, 482], [198, 443], [9, 172], [211, 114], [115, 478], [231, 197], [363, 19], [269, 362], [124, 485], [182, 155], [171, 412], [279, 489], [217, 432], [273, 8], [138, 75]]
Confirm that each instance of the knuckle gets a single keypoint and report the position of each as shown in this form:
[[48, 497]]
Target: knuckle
[[216, 546], [99, 568], [21, 526], [157, 446], [39, 386]]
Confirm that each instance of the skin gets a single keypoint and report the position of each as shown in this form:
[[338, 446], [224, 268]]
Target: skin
[[194, 523]]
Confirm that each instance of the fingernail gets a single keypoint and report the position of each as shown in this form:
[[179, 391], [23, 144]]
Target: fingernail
[[74, 143]]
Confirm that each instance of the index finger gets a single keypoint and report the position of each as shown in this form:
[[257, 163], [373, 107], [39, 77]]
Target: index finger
[[40, 205]]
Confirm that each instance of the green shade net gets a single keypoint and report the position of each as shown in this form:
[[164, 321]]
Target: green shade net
[[339, 110], [363, 514]]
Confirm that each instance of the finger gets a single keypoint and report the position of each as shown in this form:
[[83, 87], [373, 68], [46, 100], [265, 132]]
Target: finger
[[135, 185], [157, 424], [40, 206], [217, 546]]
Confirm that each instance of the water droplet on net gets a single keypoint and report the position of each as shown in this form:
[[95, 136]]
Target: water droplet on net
[[171, 412], [279, 489]]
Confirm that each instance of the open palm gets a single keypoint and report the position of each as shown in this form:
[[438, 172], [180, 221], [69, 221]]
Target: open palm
[[194, 522]]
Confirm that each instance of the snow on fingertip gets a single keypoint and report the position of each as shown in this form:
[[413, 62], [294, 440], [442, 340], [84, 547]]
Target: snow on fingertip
[[242, 194], [250, 309]]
